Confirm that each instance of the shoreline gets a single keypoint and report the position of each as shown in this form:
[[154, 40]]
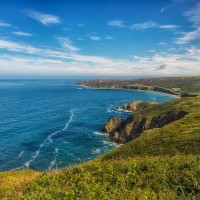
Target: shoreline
[[96, 88]]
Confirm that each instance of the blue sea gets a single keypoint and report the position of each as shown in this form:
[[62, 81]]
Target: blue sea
[[48, 124]]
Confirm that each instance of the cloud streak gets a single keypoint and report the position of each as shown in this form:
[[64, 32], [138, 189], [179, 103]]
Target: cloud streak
[[193, 15], [45, 19], [20, 33], [95, 38], [144, 25], [188, 37], [4, 24], [117, 23], [152, 24], [17, 47], [61, 62], [67, 44]]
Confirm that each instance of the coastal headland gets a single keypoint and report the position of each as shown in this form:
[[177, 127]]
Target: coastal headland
[[159, 158]]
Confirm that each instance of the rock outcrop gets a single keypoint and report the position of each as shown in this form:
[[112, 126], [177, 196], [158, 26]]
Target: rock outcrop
[[112, 125], [122, 131], [136, 106]]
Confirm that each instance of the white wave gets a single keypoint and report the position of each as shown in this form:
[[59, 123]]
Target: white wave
[[52, 163], [96, 151], [66, 126], [41, 145], [119, 109], [51, 135], [109, 144], [128, 111], [110, 109], [27, 164], [56, 150], [70, 120], [99, 133], [79, 88], [17, 168], [20, 154]]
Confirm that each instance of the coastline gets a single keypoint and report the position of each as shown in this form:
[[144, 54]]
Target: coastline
[[178, 95]]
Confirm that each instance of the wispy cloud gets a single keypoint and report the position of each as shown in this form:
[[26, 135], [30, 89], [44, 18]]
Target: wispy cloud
[[4, 24], [95, 38], [14, 46], [19, 33], [162, 43], [51, 61], [188, 37], [152, 24], [45, 19], [169, 26], [151, 51], [117, 23], [109, 37], [81, 24], [67, 44], [174, 3], [144, 25], [194, 15]]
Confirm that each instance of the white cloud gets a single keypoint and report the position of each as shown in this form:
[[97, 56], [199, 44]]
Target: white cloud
[[81, 24], [117, 23], [13, 46], [94, 37], [162, 43], [194, 15], [4, 24], [144, 25], [54, 61], [163, 9], [45, 19], [19, 33], [67, 44], [170, 26], [188, 37], [109, 37], [151, 51]]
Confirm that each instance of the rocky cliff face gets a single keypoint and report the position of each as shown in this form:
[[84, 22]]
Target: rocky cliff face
[[114, 124], [136, 106], [122, 131]]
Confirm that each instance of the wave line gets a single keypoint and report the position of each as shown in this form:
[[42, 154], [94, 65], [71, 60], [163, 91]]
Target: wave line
[[49, 138]]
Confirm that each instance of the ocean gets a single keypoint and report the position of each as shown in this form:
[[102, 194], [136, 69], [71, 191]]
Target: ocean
[[48, 124]]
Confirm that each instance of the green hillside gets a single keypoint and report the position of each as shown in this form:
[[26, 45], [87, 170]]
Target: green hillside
[[165, 84], [163, 163]]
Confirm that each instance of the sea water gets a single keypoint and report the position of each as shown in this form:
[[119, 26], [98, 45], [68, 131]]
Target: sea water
[[48, 124]]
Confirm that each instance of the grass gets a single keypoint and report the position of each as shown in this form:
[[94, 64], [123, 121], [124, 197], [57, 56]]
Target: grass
[[150, 177], [163, 163]]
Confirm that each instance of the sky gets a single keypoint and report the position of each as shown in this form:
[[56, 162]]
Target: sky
[[116, 38]]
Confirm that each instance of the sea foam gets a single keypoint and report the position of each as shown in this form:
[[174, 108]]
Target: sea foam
[[49, 138]]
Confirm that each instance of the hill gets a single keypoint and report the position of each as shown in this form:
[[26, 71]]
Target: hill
[[163, 163], [171, 85]]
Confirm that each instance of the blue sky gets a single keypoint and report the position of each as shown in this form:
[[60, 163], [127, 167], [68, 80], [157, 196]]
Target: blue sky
[[99, 38]]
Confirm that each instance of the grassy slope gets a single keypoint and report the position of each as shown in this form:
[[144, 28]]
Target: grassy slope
[[163, 163], [178, 84]]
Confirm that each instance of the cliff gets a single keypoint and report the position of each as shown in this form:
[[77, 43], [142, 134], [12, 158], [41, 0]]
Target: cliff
[[136, 106], [161, 162], [155, 116]]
